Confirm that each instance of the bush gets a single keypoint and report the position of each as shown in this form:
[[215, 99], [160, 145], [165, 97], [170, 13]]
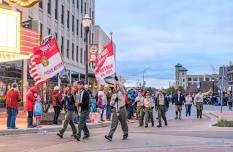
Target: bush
[[224, 123]]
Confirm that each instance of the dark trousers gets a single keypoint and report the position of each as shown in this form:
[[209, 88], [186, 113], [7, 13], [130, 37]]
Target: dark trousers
[[122, 117], [30, 119], [131, 111], [11, 117], [68, 120], [199, 109], [57, 110], [162, 114], [82, 125], [108, 112], [102, 112], [188, 109]]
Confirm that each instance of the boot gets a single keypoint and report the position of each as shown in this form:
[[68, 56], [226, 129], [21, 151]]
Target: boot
[[109, 138]]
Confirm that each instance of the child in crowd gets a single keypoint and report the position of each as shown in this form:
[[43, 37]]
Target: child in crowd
[[37, 112]]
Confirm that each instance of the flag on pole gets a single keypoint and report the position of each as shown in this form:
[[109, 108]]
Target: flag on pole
[[45, 62], [105, 63]]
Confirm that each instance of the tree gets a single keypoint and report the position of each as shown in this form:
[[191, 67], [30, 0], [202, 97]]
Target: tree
[[171, 91]]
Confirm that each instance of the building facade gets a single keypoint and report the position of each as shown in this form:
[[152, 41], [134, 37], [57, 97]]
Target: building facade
[[181, 76]]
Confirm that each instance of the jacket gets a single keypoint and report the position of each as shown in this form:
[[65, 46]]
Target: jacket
[[30, 99], [12, 99], [179, 101], [69, 102], [85, 101], [56, 98]]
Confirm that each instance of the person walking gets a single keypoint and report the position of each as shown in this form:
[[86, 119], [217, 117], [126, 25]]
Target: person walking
[[230, 100], [162, 105], [188, 104], [198, 101], [140, 111], [37, 111], [179, 100], [84, 114], [108, 107], [148, 105], [29, 104], [12, 104], [119, 113], [69, 107], [57, 103]]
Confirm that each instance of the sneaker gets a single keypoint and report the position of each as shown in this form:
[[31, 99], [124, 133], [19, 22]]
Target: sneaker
[[166, 124], [109, 138], [77, 138], [60, 135], [86, 137], [125, 137], [146, 126], [176, 118], [159, 126], [179, 118]]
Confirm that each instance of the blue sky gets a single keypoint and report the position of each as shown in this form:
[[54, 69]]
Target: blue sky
[[157, 34]]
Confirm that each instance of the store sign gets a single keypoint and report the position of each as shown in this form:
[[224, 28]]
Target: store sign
[[25, 3], [93, 51], [9, 31]]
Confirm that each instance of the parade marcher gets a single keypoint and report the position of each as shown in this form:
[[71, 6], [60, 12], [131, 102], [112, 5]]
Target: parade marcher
[[29, 104], [12, 103], [108, 107], [140, 111], [188, 104], [84, 105], [69, 107], [230, 100], [103, 105], [198, 101], [179, 100], [57, 103], [119, 113], [148, 105], [162, 104]]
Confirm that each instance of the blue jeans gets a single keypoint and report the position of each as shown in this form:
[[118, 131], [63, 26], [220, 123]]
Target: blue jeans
[[188, 109], [108, 112], [131, 111], [11, 117], [102, 113]]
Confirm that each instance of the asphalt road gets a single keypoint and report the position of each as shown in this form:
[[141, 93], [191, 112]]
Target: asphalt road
[[179, 136]]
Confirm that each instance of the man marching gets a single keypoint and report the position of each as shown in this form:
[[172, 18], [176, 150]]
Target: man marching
[[119, 113], [140, 111]]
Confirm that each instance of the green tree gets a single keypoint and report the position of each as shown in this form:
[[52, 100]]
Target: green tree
[[171, 90]]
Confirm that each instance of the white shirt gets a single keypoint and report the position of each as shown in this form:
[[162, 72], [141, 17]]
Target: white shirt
[[161, 100], [139, 99], [148, 102], [121, 100]]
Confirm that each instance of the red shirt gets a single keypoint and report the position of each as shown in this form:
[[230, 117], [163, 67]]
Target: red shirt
[[12, 99]]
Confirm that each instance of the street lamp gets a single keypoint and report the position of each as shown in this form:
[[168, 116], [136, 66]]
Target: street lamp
[[143, 77], [86, 21]]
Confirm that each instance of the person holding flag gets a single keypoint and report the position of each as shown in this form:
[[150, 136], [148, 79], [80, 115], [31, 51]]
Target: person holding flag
[[119, 113]]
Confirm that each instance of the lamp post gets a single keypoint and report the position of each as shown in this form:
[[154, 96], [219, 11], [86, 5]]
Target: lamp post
[[86, 21], [143, 77]]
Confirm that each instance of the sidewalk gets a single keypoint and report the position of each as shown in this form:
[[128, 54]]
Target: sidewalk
[[21, 123]]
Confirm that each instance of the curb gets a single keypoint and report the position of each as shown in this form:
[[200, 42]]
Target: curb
[[46, 130]]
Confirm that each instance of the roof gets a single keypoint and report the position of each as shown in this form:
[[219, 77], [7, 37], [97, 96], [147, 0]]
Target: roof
[[178, 65], [182, 69]]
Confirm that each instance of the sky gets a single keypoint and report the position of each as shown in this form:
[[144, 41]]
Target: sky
[[157, 34]]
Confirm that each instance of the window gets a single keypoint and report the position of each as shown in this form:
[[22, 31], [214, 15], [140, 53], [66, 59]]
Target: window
[[81, 56], [194, 79], [62, 14], [41, 31], [189, 79], [73, 1], [68, 19], [56, 35], [92, 40], [67, 50], [77, 27], [77, 53], [56, 8], [77, 4], [93, 17], [201, 79], [85, 8], [207, 79], [72, 51], [90, 12], [49, 7], [72, 23], [81, 30], [49, 31], [41, 4], [183, 80], [62, 45], [81, 6]]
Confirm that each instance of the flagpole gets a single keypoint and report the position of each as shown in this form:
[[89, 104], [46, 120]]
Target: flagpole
[[111, 33]]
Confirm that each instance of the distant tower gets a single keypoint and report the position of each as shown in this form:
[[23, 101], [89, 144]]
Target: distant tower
[[181, 76]]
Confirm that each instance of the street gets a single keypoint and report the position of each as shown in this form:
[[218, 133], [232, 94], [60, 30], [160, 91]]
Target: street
[[179, 135]]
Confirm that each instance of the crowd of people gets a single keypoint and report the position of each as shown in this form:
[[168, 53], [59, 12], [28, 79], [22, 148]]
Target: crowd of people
[[115, 103]]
